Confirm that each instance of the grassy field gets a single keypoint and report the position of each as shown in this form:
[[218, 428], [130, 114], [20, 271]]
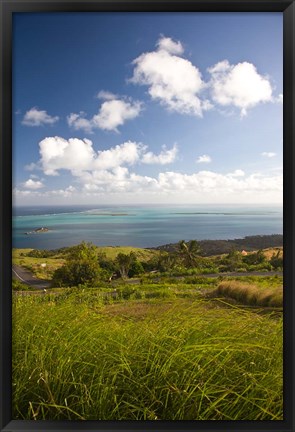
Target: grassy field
[[170, 355], [170, 345]]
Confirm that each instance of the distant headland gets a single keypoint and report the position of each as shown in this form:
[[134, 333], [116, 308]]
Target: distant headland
[[248, 243]]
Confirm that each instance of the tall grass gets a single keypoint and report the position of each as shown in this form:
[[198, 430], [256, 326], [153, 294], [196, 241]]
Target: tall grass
[[251, 294], [143, 360]]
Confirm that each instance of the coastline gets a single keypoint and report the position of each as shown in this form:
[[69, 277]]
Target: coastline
[[142, 226]]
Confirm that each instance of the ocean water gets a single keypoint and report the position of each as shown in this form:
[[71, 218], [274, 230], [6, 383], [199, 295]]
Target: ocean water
[[140, 226]]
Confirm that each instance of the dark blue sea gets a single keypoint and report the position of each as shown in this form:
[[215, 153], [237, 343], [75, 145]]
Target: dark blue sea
[[140, 226]]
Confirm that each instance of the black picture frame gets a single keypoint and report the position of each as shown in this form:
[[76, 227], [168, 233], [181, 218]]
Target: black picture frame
[[7, 8]]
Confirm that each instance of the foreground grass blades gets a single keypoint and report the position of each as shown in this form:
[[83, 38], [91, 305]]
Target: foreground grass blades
[[178, 359]]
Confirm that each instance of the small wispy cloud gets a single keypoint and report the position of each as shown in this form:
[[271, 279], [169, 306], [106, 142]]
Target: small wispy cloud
[[237, 173], [63, 193], [36, 117], [31, 167], [268, 154], [106, 95], [204, 159]]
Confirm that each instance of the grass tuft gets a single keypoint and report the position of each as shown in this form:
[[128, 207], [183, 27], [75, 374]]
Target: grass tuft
[[250, 294]]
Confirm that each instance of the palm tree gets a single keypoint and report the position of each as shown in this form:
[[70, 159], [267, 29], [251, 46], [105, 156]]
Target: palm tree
[[166, 261], [188, 252]]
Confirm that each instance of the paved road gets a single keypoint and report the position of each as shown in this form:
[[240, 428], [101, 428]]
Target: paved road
[[26, 277]]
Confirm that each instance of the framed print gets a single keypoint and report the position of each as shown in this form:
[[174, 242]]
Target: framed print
[[147, 215]]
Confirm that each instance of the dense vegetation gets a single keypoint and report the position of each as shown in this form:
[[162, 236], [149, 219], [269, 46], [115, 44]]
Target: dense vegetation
[[81, 267], [249, 243], [129, 334], [86, 263]]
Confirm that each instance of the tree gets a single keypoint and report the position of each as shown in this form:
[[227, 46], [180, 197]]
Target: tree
[[166, 262], [188, 252], [81, 267], [106, 263], [136, 268], [124, 262], [276, 260], [233, 260]]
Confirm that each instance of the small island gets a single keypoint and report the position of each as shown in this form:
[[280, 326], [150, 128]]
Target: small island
[[38, 230]]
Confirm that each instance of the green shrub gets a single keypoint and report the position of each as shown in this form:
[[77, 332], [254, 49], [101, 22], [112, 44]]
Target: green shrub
[[40, 253], [81, 268], [136, 269]]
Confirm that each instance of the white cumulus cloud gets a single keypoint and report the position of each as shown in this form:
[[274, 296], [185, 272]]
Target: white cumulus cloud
[[209, 184], [76, 156], [33, 184], [239, 85], [58, 153], [114, 172], [167, 44], [204, 159], [168, 186], [165, 157], [127, 153], [113, 113], [172, 80], [78, 121], [205, 186], [36, 117]]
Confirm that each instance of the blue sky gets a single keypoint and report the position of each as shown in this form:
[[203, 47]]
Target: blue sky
[[147, 108]]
